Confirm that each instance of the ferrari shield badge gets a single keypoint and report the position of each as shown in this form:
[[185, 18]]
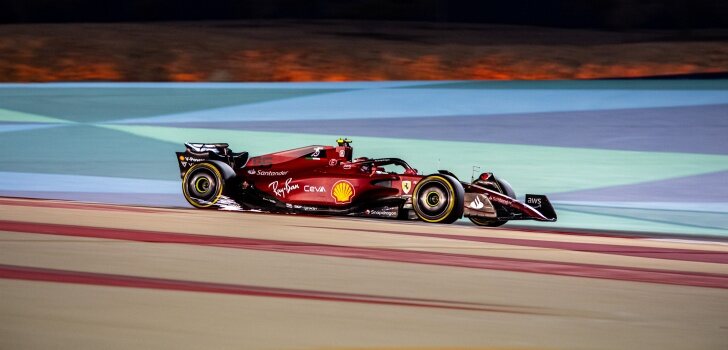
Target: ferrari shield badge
[[406, 186]]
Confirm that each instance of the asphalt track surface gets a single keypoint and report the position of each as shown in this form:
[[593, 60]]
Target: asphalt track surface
[[97, 276], [637, 170]]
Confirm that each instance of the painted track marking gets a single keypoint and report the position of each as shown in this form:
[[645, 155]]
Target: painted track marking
[[634, 274]]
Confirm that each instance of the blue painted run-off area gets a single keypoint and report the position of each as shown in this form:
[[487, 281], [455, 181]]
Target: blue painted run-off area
[[648, 156]]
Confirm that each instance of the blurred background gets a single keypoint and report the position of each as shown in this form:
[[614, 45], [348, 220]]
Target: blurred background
[[327, 40]]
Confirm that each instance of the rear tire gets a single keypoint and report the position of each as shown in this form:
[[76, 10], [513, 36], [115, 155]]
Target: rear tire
[[203, 185], [438, 199]]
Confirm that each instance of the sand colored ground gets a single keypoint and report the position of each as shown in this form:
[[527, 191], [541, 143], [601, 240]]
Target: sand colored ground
[[430, 305]]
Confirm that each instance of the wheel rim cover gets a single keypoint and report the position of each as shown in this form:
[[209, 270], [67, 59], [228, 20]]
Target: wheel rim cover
[[202, 185], [434, 201]]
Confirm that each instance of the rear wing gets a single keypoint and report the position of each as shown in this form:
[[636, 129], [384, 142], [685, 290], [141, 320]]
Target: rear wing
[[219, 148], [201, 152]]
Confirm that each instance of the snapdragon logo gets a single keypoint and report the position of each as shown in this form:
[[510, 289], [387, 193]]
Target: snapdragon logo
[[272, 173]]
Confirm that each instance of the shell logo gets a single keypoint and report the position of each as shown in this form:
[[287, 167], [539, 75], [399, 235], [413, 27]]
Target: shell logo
[[342, 191]]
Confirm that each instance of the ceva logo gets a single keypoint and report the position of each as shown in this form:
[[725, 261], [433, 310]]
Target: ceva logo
[[309, 188]]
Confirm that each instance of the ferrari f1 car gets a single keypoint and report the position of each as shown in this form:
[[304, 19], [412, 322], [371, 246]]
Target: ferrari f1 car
[[327, 180]]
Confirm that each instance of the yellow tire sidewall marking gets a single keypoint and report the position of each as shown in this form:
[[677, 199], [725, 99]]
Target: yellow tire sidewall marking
[[450, 206], [218, 192]]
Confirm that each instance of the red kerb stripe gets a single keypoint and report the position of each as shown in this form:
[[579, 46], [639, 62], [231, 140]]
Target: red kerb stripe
[[98, 279], [418, 257]]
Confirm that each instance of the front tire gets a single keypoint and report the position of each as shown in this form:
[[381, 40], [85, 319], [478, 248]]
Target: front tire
[[203, 185], [438, 199]]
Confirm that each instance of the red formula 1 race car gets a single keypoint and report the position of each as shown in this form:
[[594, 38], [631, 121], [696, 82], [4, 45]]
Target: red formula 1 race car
[[326, 180]]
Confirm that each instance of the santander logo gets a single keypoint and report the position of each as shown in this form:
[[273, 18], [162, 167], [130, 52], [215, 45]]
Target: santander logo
[[477, 203]]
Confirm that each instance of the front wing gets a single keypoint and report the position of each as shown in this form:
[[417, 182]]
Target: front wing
[[483, 202]]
